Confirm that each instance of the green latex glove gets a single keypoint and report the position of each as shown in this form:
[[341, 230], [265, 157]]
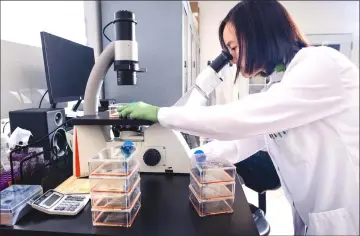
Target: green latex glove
[[139, 111]]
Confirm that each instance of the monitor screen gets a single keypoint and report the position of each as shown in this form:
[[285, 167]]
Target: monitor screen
[[67, 67]]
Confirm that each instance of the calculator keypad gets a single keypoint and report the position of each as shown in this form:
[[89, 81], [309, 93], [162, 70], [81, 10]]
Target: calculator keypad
[[70, 203]]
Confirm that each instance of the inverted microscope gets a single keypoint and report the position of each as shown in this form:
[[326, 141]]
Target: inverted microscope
[[159, 149]]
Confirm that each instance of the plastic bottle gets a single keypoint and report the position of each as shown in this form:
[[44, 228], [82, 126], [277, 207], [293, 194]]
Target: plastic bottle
[[199, 156], [127, 148]]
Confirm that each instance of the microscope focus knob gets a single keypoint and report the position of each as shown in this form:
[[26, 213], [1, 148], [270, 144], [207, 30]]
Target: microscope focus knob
[[152, 157]]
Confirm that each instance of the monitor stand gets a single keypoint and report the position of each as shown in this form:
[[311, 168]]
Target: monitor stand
[[77, 105], [73, 112]]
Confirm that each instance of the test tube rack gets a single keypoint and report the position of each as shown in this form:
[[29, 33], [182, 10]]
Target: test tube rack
[[114, 188], [212, 187]]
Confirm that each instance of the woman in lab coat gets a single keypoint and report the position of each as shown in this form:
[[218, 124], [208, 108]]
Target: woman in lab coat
[[308, 118]]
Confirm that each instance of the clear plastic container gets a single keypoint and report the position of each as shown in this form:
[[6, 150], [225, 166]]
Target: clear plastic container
[[114, 184], [115, 217], [211, 207], [212, 191], [115, 161], [213, 171], [113, 109], [116, 201]]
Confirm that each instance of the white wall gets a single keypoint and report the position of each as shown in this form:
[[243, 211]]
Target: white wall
[[313, 17], [327, 17], [92, 14], [211, 14], [93, 28]]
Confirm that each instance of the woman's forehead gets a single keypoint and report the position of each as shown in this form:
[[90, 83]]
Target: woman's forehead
[[229, 34]]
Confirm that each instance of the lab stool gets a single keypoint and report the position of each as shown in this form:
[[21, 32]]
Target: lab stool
[[259, 174], [261, 223]]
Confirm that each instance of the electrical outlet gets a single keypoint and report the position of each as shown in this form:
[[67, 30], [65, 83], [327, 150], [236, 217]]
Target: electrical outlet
[[5, 126], [3, 121]]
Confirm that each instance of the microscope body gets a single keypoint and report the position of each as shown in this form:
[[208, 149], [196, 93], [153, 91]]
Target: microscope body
[[159, 149]]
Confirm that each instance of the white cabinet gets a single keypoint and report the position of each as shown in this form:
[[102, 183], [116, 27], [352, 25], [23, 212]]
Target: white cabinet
[[185, 56], [191, 48], [190, 58]]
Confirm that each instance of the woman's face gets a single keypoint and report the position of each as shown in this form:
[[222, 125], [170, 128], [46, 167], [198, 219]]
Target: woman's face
[[233, 45]]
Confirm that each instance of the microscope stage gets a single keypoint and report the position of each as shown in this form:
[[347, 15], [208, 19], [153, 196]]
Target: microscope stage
[[103, 118]]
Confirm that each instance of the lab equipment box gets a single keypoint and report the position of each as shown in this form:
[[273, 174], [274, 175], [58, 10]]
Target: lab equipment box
[[110, 217], [116, 201], [213, 171], [213, 190], [211, 207], [13, 202], [114, 184], [113, 161]]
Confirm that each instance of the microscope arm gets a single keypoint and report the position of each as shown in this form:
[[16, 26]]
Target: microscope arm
[[198, 94], [93, 86], [206, 82]]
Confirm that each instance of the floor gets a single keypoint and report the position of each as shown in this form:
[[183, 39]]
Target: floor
[[278, 210]]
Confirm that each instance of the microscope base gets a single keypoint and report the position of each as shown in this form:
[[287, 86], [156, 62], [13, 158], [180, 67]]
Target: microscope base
[[160, 150]]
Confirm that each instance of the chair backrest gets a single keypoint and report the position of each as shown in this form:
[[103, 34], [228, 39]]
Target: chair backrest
[[258, 172]]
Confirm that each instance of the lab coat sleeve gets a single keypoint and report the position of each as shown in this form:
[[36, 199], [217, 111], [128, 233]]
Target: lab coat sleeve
[[233, 151], [310, 90]]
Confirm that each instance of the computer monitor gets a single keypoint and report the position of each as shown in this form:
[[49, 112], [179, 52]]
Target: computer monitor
[[67, 68]]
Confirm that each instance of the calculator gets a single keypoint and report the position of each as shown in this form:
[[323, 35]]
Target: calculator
[[56, 203]]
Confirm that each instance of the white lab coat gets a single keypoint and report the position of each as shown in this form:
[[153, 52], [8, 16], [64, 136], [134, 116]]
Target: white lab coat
[[309, 123], [228, 91]]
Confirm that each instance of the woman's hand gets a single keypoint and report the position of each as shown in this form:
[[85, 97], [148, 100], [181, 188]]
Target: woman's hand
[[139, 111]]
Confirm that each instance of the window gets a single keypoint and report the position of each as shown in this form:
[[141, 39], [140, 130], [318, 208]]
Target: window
[[340, 42], [334, 46], [22, 21]]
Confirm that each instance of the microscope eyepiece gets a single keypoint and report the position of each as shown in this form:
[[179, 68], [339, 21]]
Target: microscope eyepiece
[[126, 62], [125, 15], [224, 58]]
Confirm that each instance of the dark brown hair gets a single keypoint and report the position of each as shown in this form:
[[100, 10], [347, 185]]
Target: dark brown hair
[[266, 31]]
